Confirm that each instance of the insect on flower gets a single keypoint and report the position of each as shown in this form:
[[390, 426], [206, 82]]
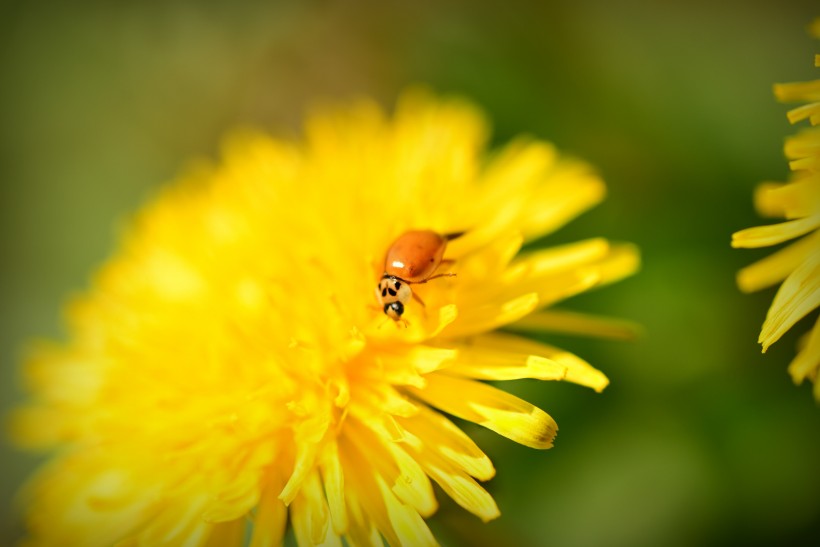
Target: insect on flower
[[412, 259], [266, 401]]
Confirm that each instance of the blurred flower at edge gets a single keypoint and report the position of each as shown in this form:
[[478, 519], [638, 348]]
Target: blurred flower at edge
[[229, 365], [798, 265]]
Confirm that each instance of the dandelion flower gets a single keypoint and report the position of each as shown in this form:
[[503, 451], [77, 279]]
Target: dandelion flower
[[797, 266], [229, 375]]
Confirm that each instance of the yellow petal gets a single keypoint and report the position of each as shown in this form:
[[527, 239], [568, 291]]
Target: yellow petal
[[241, 479], [776, 267], [764, 236], [798, 295], [807, 111], [39, 427], [333, 480], [492, 408], [578, 323], [804, 144], [442, 436], [305, 458], [558, 259], [309, 513], [412, 486], [491, 315], [798, 91], [510, 175], [365, 500], [410, 528], [422, 359], [362, 531], [271, 516], [376, 398], [389, 461], [450, 474], [486, 364], [578, 371], [178, 525], [462, 488], [563, 276], [807, 361], [307, 434], [763, 204], [794, 200], [227, 534], [570, 190], [622, 261], [546, 275], [810, 163], [492, 258]]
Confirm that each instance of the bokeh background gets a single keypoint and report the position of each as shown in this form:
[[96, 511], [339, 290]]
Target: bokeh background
[[699, 440]]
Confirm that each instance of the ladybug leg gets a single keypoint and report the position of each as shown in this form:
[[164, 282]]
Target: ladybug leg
[[447, 274], [442, 265]]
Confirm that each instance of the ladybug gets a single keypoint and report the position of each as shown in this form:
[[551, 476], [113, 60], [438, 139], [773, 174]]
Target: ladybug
[[412, 259]]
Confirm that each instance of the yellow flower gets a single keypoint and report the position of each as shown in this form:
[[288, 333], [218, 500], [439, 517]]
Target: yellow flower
[[229, 372], [797, 266]]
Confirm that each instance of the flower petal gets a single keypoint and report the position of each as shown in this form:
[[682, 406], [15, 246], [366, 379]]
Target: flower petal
[[440, 435], [399, 523], [571, 189], [558, 259], [794, 200], [305, 458], [362, 531], [578, 371], [271, 516], [309, 513], [492, 408], [798, 91], [333, 480], [581, 324], [553, 275], [400, 472], [776, 267], [764, 236], [410, 528], [803, 145], [481, 363], [491, 315], [177, 524], [464, 490], [807, 362], [798, 295], [764, 205], [227, 534], [507, 179]]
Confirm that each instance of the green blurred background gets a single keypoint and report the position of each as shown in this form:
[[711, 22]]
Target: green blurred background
[[699, 440]]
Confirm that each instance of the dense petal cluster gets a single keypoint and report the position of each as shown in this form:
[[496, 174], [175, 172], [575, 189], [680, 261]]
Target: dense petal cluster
[[229, 374], [797, 266]]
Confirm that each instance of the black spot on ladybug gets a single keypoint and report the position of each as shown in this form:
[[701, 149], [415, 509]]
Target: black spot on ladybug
[[397, 285], [384, 292], [392, 292]]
